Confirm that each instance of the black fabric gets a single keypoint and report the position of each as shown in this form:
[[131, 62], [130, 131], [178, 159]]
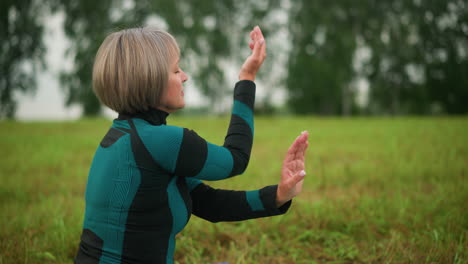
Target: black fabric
[[150, 207], [217, 205], [90, 250], [149, 221], [153, 116], [239, 141], [185, 193], [268, 197], [111, 137], [245, 93], [192, 155]]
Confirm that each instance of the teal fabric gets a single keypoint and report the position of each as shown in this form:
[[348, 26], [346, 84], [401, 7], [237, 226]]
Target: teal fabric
[[218, 164], [163, 142], [192, 183], [243, 111], [117, 185], [179, 215], [116, 198], [253, 198], [121, 124]]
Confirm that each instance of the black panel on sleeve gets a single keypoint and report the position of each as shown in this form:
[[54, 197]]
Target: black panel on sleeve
[[217, 205], [185, 193], [90, 248], [192, 154], [244, 91], [239, 141], [268, 197]]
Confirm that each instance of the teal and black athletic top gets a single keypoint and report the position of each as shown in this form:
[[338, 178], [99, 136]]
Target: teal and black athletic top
[[145, 182]]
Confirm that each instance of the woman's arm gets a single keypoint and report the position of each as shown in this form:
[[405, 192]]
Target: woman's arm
[[224, 205], [183, 152], [203, 160], [217, 205]]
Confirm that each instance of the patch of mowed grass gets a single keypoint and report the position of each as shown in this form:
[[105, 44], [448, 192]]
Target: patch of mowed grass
[[43, 175], [378, 190]]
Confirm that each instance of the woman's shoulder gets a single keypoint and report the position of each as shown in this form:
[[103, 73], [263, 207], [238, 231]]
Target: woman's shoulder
[[160, 131], [166, 134]]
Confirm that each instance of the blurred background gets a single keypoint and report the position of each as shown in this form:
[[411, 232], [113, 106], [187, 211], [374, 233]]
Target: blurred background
[[368, 57], [380, 190]]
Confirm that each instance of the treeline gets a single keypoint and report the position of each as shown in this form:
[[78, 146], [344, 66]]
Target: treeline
[[410, 55]]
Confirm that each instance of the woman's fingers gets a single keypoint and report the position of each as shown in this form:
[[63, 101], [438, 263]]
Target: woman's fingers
[[299, 177], [259, 50], [288, 184], [252, 35], [292, 172], [300, 154], [298, 147], [291, 154], [297, 143], [259, 43], [258, 33], [253, 63]]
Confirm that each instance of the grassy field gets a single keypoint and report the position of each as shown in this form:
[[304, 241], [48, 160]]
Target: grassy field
[[378, 190]]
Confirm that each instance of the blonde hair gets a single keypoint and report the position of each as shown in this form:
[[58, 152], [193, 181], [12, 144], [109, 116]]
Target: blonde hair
[[131, 68]]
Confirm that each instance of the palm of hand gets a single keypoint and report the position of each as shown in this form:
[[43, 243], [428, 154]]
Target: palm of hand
[[253, 63], [288, 172], [292, 172]]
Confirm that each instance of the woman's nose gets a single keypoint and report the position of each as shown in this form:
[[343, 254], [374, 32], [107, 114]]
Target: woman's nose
[[184, 77]]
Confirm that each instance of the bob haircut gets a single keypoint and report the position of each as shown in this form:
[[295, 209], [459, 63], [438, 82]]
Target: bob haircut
[[131, 68]]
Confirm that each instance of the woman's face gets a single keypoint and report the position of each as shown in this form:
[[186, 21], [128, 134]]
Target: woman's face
[[173, 96]]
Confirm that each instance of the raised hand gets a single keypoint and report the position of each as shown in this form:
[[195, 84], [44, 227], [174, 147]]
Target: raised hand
[[253, 63], [292, 172]]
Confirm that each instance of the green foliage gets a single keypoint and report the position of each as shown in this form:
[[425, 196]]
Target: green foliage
[[320, 68], [86, 23], [21, 50], [380, 190], [420, 57], [417, 56], [208, 32]]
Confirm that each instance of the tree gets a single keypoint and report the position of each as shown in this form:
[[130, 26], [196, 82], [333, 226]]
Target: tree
[[443, 30], [320, 68], [86, 24], [21, 52], [418, 52], [418, 56]]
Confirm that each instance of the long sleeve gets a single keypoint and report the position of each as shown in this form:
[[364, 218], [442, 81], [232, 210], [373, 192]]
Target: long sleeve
[[183, 152], [217, 205]]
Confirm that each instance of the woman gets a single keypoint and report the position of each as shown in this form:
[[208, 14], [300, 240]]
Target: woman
[[145, 179]]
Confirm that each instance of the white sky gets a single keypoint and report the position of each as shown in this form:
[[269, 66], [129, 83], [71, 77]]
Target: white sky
[[48, 101]]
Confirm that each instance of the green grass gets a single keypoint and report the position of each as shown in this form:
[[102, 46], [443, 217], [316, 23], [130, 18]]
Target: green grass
[[378, 190]]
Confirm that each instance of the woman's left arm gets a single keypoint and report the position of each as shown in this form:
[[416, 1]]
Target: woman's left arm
[[217, 205]]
